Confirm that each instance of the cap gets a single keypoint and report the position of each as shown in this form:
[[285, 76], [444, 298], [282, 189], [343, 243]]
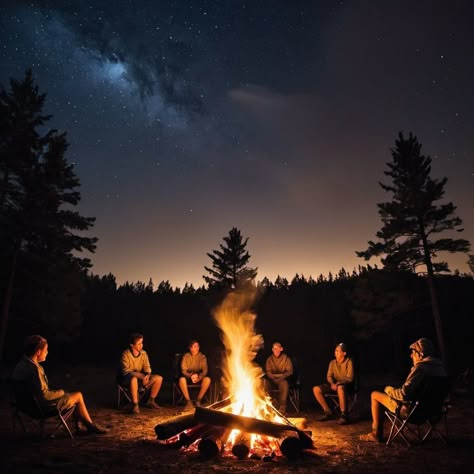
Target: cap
[[424, 346], [277, 344]]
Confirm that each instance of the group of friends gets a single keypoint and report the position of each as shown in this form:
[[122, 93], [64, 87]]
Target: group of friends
[[135, 371]]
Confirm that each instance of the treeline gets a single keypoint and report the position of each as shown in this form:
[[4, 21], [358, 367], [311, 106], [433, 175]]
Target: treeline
[[377, 312]]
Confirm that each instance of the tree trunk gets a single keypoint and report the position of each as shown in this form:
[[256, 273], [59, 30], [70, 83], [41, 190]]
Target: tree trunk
[[434, 299]]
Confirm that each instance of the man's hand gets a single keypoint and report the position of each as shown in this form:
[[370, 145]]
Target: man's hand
[[194, 378], [146, 379], [334, 387]]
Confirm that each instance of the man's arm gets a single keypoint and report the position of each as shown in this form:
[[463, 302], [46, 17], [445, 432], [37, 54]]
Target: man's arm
[[146, 367], [348, 377], [268, 370], [203, 369], [185, 366], [408, 391], [46, 394], [287, 369], [330, 375]]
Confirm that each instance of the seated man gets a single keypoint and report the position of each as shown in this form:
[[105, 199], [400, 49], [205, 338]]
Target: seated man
[[278, 368], [340, 377], [424, 365], [28, 371], [135, 369], [194, 370]]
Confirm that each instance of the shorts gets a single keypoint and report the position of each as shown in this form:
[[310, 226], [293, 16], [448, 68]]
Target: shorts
[[326, 388]]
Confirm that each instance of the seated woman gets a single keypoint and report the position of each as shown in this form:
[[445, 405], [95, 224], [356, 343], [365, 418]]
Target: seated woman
[[194, 370]]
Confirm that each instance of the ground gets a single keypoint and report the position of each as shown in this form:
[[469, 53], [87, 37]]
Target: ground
[[131, 446]]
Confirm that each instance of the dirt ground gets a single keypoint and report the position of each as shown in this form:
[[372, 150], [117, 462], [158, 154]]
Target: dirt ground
[[131, 446]]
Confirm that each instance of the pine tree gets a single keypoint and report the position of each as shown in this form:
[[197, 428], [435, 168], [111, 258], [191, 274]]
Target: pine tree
[[229, 268], [470, 263], [38, 192], [413, 220]]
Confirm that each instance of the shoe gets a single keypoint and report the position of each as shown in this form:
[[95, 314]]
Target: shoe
[[96, 429], [189, 405], [342, 420], [326, 417], [152, 404], [372, 437], [198, 403], [135, 410]]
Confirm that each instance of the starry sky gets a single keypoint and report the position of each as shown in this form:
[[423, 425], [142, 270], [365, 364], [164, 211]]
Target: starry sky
[[187, 118]]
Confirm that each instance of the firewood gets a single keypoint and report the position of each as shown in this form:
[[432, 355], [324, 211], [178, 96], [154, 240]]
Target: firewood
[[246, 424], [212, 444], [175, 425], [291, 445], [241, 447]]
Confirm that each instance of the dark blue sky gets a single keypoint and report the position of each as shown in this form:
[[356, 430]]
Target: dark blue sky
[[187, 118]]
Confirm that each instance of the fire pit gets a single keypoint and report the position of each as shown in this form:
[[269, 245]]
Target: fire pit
[[245, 424]]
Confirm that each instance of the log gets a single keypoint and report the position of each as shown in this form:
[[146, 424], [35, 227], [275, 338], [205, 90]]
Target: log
[[212, 443], [186, 437], [241, 447], [291, 445], [175, 425], [246, 424], [299, 422]]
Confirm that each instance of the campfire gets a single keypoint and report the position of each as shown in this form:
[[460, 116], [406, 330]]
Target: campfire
[[245, 423]]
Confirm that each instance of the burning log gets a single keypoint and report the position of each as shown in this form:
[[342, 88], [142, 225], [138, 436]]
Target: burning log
[[212, 443], [241, 447], [188, 436], [175, 425], [179, 424], [249, 425], [291, 445]]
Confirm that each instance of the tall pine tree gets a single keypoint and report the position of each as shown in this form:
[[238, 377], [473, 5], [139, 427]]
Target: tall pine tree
[[229, 270], [413, 219], [41, 233]]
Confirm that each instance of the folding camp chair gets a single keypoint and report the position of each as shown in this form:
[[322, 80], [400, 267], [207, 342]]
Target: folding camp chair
[[27, 408], [429, 409], [352, 397], [295, 386], [193, 388], [124, 395]]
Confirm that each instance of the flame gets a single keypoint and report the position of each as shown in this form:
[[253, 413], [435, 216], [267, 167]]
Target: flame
[[242, 377]]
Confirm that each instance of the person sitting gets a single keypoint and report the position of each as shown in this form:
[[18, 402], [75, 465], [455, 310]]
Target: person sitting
[[30, 373], [194, 371], [424, 365], [278, 367], [340, 377], [135, 369]]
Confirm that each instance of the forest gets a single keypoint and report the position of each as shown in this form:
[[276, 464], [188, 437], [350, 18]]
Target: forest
[[48, 287]]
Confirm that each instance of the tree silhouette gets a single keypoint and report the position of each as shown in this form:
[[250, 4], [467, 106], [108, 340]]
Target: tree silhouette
[[229, 268], [38, 191], [470, 263], [413, 219]]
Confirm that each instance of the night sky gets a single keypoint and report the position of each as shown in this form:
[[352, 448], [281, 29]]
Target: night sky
[[187, 118]]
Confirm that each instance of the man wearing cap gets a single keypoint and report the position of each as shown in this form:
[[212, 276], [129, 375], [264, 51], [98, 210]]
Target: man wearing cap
[[340, 377], [278, 368], [424, 365]]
